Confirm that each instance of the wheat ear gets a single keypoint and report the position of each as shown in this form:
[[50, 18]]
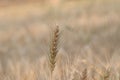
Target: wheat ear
[[54, 49]]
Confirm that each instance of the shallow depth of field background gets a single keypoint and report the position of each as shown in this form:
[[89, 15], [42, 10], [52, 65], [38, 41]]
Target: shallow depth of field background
[[90, 38]]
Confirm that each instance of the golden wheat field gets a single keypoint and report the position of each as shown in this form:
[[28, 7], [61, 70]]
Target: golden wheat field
[[59, 39]]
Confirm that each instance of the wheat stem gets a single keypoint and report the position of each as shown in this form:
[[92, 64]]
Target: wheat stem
[[54, 49]]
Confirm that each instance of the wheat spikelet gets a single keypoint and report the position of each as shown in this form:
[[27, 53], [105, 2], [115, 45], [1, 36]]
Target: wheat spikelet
[[84, 75], [54, 49]]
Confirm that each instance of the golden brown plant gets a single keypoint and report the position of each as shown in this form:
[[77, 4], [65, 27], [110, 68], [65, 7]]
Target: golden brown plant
[[54, 49]]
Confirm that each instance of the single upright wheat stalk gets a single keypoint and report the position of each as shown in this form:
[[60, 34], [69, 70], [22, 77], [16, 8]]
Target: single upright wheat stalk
[[54, 49]]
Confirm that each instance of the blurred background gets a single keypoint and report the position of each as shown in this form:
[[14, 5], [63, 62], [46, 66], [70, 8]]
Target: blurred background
[[87, 27]]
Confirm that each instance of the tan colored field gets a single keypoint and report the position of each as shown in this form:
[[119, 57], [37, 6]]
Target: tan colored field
[[88, 48]]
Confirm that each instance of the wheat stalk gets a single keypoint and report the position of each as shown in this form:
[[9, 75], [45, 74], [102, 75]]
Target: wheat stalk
[[54, 49]]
